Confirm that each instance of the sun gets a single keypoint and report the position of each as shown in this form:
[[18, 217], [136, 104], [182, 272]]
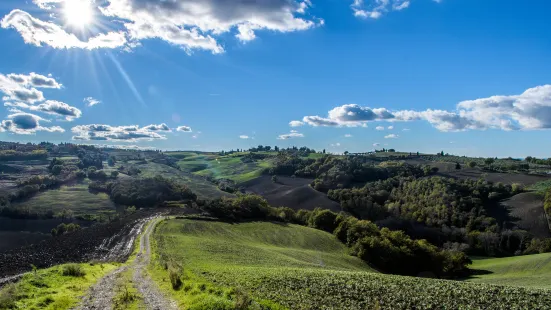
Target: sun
[[78, 12]]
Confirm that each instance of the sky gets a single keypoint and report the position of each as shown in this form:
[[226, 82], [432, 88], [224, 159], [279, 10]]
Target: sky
[[468, 77]]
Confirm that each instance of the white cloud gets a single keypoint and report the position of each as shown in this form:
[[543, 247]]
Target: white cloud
[[16, 91], [132, 133], [406, 129], [183, 129], [296, 123], [530, 110], [375, 9], [376, 144], [380, 128], [159, 127], [391, 136], [58, 108], [390, 127], [292, 134], [26, 123], [34, 80], [37, 32], [335, 144], [244, 137], [350, 115], [189, 24], [90, 101], [348, 135]]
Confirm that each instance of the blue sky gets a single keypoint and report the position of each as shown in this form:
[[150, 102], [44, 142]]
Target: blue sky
[[468, 77]]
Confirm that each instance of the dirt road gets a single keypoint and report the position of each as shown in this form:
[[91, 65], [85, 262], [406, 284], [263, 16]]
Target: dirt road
[[100, 296]]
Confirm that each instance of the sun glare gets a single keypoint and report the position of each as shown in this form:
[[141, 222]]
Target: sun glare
[[78, 12]]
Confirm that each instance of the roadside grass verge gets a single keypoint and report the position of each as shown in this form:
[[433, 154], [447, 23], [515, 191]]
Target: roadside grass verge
[[51, 289]]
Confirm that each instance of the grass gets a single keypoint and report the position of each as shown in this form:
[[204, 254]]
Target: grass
[[225, 167], [75, 197], [200, 186], [526, 271], [293, 267], [540, 187], [51, 289]]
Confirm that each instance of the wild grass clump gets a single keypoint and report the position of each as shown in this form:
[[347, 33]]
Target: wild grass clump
[[8, 297], [175, 279], [73, 270]]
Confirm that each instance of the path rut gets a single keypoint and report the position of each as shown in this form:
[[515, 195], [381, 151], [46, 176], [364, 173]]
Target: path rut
[[100, 296]]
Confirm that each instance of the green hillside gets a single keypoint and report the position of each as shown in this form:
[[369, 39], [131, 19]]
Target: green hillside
[[293, 267], [526, 271]]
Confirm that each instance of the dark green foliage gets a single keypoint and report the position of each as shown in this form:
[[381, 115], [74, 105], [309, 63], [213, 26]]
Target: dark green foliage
[[175, 279], [11, 155], [62, 229], [94, 174], [539, 246], [148, 192], [56, 170], [73, 270], [240, 208], [111, 161], [114, 174]]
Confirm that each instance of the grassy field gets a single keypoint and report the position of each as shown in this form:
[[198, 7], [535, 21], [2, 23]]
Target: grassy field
[[526, 271], [74, 197], [223, 167], [540, 187], [292, 267], [200, 186], [51, 289]]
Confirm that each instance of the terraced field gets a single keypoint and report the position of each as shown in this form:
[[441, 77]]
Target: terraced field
[[293, 267]]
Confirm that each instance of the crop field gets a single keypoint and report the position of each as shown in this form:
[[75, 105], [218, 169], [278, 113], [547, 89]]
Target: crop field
[[72, 197], [199, 185], [301, 268], [526, 271]]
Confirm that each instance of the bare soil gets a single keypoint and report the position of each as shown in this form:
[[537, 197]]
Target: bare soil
[[526, 211], [294, 193], [505, 178]]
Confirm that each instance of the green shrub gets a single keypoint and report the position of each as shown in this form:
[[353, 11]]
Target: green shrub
[[8, 297], [73, 270], [175, 279]]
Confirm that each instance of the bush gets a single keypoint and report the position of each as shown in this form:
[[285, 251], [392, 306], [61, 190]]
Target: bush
[[175, 279], [65, 229], [8, 297], [73, 270]]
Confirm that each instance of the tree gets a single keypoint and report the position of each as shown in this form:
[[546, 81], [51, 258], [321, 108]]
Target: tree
[[323, 151], [472, 164], [489, 161], [274, 179], [111, 161], [56, 170], [345, 152], [457, 166], [114, 174], [442, 153]]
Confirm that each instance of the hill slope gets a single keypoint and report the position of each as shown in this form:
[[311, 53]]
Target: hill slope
[[292, 267], [526, 271]]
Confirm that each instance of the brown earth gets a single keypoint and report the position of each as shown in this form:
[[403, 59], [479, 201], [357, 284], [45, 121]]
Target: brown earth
[[294, 193], [506, 178], [527, 212]]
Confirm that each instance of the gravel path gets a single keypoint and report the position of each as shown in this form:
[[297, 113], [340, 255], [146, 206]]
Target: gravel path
[[100, 296], [153, 298]]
